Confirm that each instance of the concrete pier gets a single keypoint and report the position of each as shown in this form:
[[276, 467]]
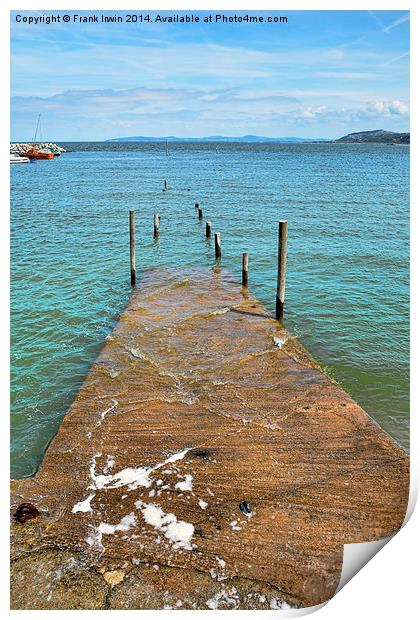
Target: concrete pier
[[206, 463]]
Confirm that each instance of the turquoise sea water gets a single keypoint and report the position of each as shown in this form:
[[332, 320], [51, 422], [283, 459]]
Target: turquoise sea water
[[347, 279]]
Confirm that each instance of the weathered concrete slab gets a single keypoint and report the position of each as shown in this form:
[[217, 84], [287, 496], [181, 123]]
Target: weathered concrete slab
[[197, 403]]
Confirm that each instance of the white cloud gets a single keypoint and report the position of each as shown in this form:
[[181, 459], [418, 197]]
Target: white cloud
[[154, 100], [174, 111], [312, 112], [392, 113], [386, 108], [397, 22], [197, 112]]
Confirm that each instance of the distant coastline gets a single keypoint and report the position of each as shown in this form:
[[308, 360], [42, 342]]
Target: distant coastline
[[248, 139], [377, 136]]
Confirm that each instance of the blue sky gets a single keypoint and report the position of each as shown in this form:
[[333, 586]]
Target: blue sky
[[323, 74]]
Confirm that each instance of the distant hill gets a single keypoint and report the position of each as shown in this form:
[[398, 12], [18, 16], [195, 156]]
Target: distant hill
[[249, 138], [378, 135]]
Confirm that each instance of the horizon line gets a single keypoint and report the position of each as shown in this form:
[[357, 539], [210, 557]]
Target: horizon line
[[213, 138]]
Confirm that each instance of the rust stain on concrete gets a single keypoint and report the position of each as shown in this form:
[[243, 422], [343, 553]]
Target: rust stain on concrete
[[206, 463]]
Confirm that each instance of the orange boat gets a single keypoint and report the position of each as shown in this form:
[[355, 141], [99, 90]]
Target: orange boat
[[35, 153]]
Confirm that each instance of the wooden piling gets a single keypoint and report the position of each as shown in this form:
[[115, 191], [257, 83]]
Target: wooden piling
[[281, 269], [165, 184], [200, 213], [197, 204], [208, 229], [245, 269], [217, 245], [156, 226], [132, 249]]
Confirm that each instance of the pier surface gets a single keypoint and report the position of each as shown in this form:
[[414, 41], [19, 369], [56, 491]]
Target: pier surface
[[206, 463]]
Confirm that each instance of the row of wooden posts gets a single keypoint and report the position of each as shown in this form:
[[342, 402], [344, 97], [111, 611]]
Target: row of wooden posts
[[281, 257]]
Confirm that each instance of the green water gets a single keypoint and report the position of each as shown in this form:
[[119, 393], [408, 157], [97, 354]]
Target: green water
[[347, 280]]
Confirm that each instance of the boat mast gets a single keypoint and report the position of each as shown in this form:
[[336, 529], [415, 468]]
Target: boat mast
[[36, 129], [167, 147]]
